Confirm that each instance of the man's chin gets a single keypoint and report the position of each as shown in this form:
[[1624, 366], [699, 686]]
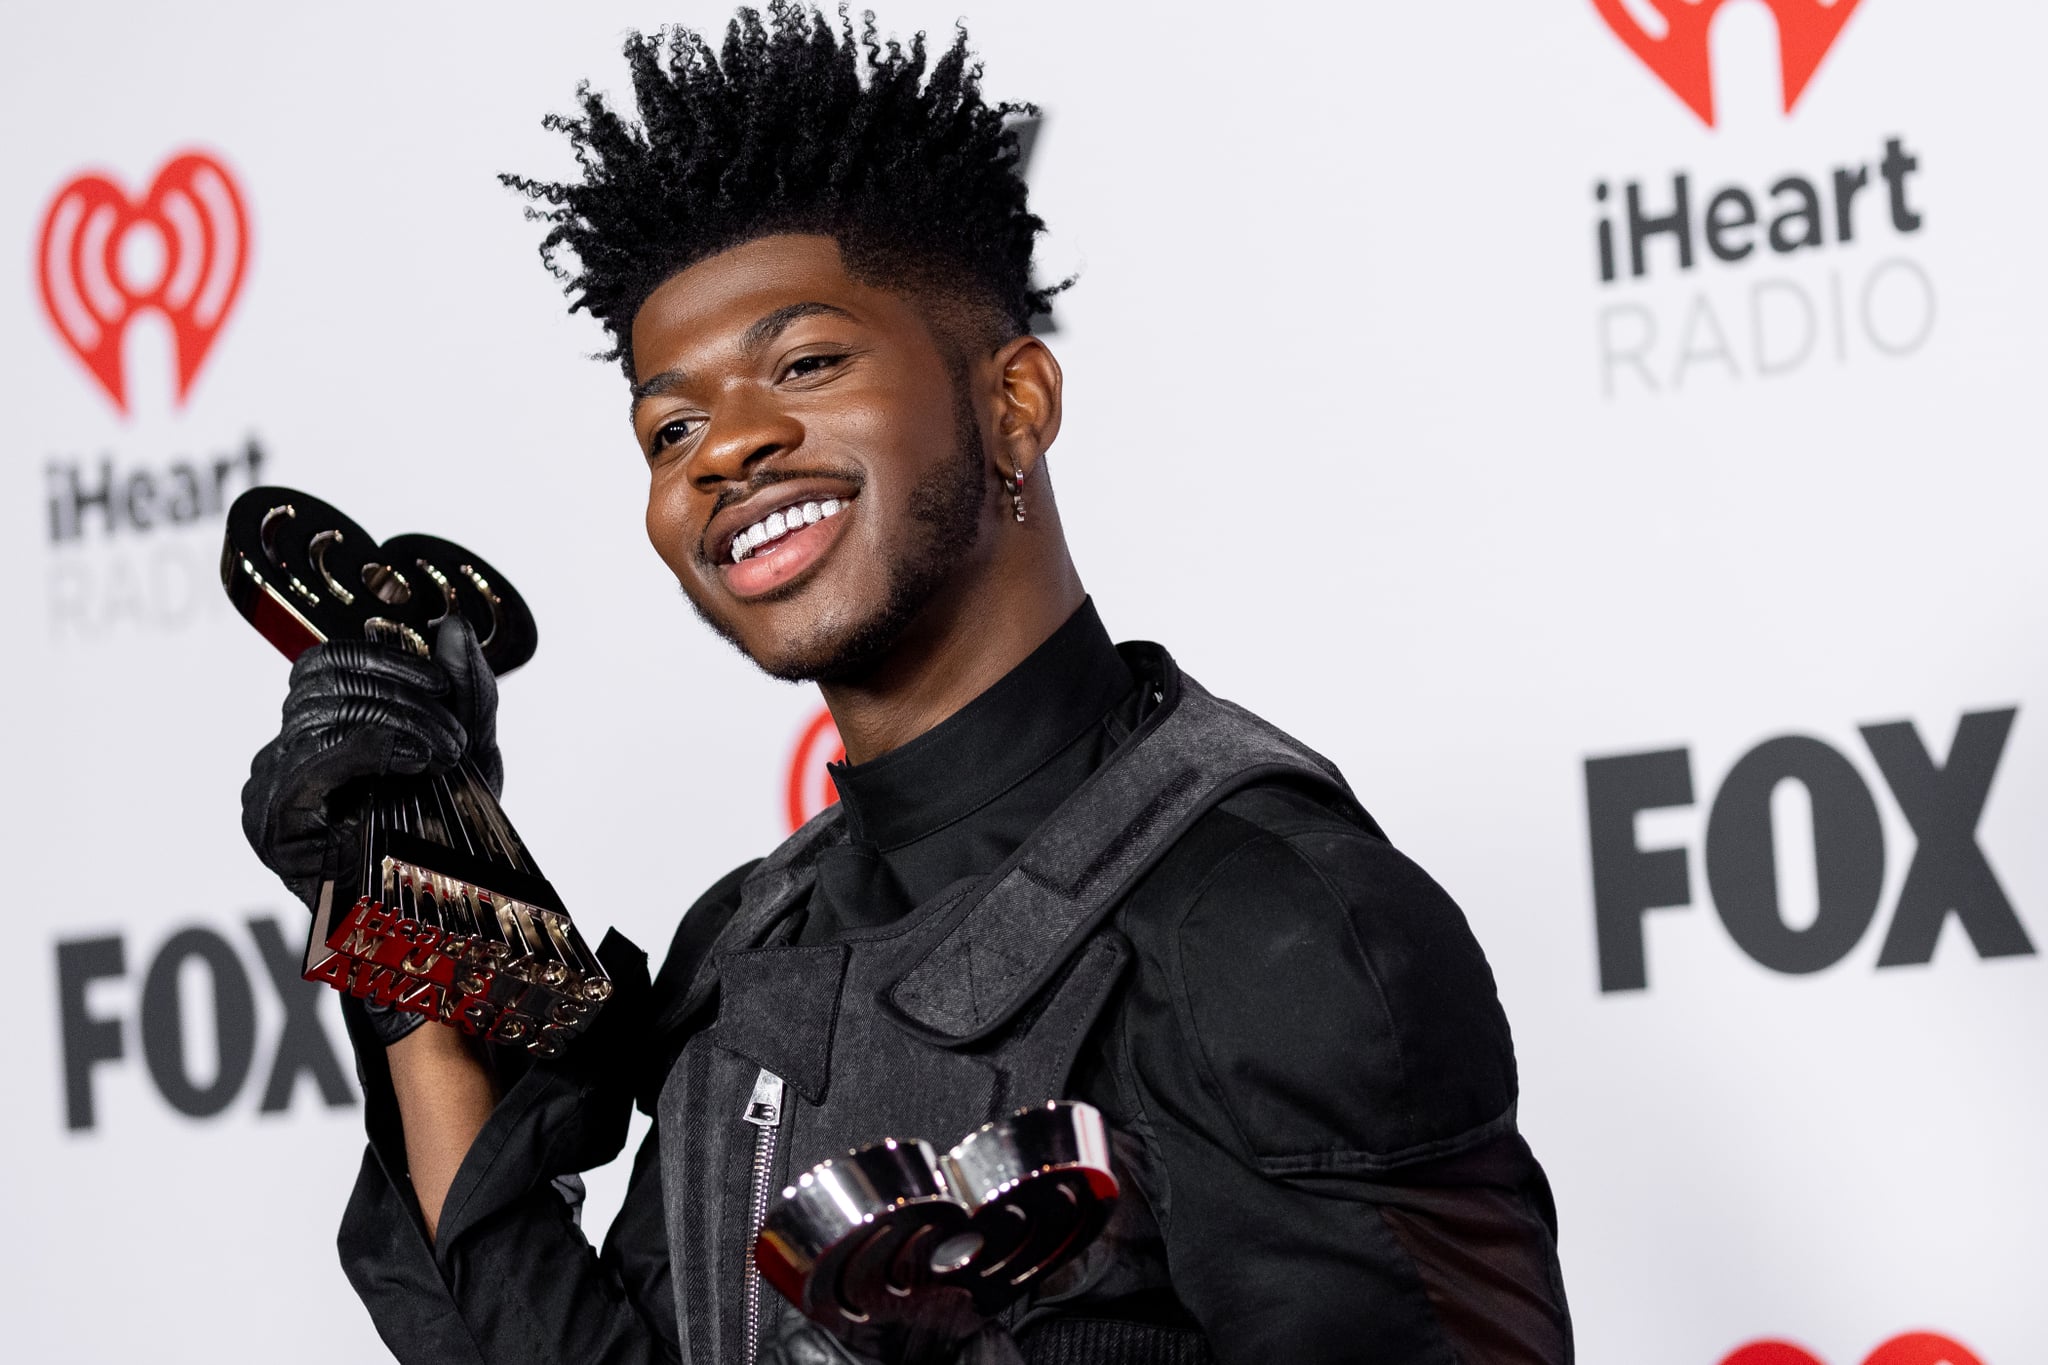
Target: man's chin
[[825, 648]]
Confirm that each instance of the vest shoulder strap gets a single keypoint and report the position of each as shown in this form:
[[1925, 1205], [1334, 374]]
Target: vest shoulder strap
[[1012, 934], [778, 882]]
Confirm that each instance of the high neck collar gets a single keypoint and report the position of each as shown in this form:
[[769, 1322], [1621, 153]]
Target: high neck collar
[[989, 745]]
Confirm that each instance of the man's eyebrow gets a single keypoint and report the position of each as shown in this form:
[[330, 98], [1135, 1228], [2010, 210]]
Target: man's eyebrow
[[768, 328], [668, 381], [762, 333]]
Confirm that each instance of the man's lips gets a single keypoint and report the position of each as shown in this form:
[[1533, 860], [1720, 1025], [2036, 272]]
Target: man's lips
[[767, 564], [757, 507]]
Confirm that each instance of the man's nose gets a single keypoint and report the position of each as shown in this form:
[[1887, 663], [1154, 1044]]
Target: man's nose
[[744, 430]]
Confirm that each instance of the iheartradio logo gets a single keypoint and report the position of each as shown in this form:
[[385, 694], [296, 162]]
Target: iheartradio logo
[[810, 784], [180, 249], [1671, 38]]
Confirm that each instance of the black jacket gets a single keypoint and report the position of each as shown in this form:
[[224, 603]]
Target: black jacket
[[1307, 1057]]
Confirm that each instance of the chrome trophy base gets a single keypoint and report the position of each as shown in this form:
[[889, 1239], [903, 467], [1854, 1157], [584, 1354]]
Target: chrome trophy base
[[886, 1233]]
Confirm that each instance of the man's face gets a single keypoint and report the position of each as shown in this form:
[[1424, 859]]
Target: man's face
[[817, 474]]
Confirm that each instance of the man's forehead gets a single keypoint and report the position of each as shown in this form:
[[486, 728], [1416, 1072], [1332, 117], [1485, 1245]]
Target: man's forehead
[[743, 296], [753, 277]]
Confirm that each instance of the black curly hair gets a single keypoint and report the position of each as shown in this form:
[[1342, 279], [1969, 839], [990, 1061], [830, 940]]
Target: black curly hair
[[796, 127]]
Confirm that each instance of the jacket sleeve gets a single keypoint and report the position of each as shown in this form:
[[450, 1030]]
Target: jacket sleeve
[[511, 1278], [1329, 1083]]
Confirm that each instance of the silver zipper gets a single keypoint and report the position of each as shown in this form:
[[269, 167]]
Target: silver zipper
[[764, 1111]]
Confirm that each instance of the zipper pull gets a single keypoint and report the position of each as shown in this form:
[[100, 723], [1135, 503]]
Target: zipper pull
[[764, 1110]]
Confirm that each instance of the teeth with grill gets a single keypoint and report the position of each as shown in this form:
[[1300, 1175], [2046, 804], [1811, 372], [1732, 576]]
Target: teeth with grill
[[776, 525]]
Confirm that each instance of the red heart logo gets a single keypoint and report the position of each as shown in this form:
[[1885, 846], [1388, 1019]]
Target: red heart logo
[[1922, 1348], [810, 785], [1676, 48], [1910, 1348], [201, 243]]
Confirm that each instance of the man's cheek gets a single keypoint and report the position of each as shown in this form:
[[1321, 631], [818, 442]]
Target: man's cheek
[[668, 532], [655, 522]]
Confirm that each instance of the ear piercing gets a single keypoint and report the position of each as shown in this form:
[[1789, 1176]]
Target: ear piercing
[[1017, 489]]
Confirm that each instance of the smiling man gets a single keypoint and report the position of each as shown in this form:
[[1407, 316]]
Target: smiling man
[[820, 443], [1058, 869]]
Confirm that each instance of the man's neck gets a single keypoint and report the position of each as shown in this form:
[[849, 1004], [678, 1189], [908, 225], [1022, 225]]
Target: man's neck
[[962, 645]]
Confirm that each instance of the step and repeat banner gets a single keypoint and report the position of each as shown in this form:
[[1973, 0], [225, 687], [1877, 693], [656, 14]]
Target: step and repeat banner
[[1609, 428]]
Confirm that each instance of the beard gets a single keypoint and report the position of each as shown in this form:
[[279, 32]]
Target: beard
[[945, 525]]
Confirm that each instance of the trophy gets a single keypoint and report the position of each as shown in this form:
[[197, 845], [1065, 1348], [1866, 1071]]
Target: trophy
[[447, 915], [872, 1238]]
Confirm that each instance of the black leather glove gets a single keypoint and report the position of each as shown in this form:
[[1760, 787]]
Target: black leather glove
[[356, 711]]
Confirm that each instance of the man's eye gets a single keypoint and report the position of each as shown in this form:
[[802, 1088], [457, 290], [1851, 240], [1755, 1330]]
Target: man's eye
[[673, 432], [812, 364]]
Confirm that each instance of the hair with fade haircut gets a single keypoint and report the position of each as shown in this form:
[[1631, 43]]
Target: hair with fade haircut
[[795, 126]]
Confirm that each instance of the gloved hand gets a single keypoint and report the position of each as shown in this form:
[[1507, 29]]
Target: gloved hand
[[358, 710]]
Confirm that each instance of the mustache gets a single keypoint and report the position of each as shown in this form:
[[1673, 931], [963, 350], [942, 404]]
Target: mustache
[[768, 478]]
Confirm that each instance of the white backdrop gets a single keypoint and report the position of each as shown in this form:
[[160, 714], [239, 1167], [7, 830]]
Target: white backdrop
[[1340, 286]]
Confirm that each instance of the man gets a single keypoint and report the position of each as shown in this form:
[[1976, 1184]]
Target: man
[[1058, 869]]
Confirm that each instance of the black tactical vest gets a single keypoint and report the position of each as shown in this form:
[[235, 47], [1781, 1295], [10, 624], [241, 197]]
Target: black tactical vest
[[974, 1004]]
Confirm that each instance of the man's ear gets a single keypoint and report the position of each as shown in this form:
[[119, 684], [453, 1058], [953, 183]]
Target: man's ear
[[1028, 403]]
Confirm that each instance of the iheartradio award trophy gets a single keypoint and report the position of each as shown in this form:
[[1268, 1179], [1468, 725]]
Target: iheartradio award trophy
[[448, 916], [886, 1235]]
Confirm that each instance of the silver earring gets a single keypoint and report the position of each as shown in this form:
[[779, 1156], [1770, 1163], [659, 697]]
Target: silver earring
[[1017, 490]]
